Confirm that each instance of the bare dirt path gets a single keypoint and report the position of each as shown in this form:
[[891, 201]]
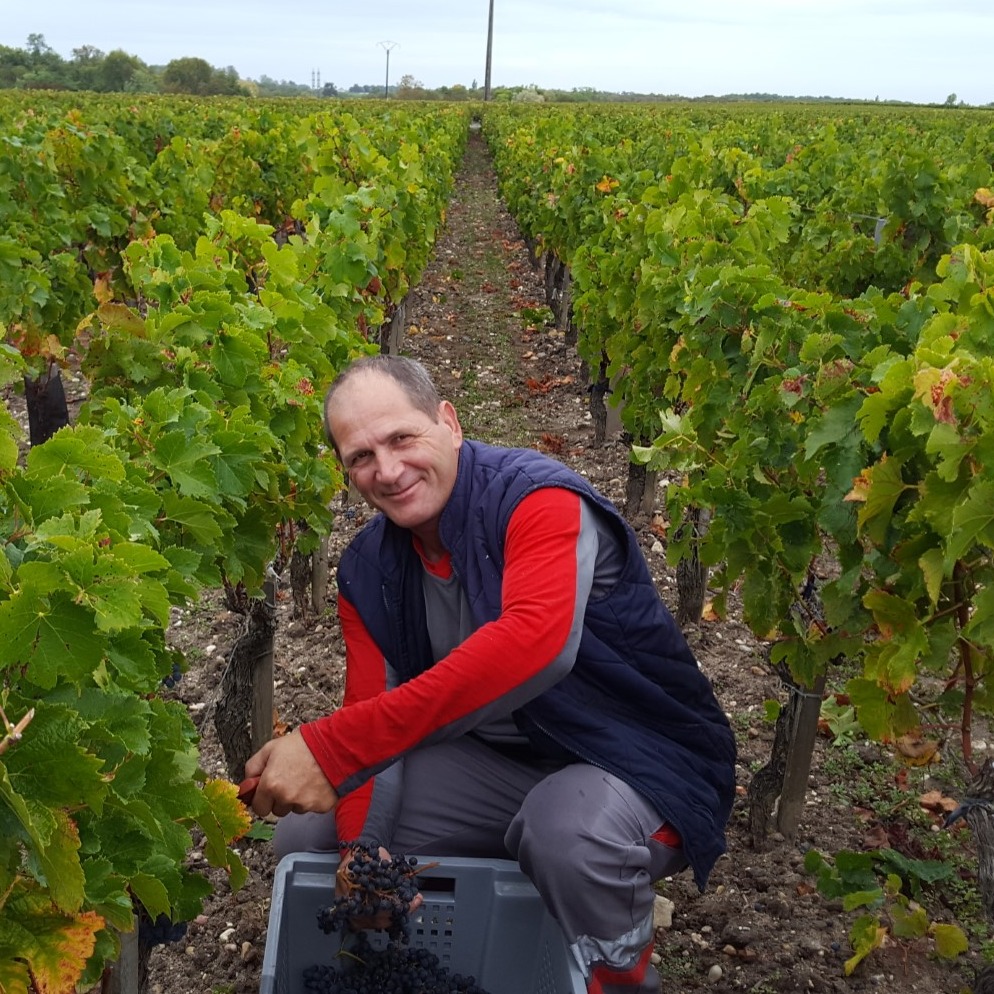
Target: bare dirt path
[[760, 927]]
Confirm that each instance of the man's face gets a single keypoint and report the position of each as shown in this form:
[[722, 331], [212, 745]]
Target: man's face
[[402, 461]]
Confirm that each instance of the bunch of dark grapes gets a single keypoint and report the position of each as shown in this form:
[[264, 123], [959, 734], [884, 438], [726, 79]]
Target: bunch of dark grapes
[[370, 887], [174, 677], [397, 968], [159, 932]]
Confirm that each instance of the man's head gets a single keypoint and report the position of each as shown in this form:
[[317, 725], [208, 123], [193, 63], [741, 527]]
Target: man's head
[[397, 440]]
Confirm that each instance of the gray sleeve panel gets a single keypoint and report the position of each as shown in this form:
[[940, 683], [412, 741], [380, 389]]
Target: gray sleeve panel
[[384, 806]]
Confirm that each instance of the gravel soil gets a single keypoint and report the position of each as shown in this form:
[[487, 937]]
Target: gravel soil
[[761, 926]]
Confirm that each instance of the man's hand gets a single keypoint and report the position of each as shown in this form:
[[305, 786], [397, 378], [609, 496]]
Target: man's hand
[[289, 779]]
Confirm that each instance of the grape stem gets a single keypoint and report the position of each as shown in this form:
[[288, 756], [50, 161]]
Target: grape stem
[[13, 732]]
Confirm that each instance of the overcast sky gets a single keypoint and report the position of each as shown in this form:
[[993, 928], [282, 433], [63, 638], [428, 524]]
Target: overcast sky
[[917, 50]]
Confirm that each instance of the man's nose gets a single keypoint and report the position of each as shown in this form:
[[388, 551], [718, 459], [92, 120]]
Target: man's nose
[[388, 467]]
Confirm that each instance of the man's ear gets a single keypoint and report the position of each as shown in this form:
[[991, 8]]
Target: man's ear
[[448, 416]]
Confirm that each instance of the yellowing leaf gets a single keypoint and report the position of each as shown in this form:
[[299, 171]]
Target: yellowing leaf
[[607, 184], [984, 197], [54, 946], [866, 935], [950, 940]]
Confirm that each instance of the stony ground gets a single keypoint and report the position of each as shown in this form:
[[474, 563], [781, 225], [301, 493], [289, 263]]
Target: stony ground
[[761, 927]]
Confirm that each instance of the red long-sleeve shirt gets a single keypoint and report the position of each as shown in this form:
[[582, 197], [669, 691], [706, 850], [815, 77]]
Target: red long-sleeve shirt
[[550, 551]]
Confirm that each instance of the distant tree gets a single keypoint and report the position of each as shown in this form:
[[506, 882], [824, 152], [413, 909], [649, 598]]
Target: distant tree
[[951, 100], [529, 95], [455, 92], [83, 67], [188, 75], [329, 90], [38, 47], [118, 72], [198, 77], [410, 88], [46, 69], [13, 65]]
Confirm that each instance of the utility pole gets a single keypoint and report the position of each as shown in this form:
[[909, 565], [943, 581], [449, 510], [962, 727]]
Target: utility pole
[[388, 47], [490, 51]]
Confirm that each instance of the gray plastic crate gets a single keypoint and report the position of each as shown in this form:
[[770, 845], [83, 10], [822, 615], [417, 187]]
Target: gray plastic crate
[[480, 916]]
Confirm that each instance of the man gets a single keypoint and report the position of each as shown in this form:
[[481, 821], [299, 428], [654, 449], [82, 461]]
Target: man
[[514, 684]]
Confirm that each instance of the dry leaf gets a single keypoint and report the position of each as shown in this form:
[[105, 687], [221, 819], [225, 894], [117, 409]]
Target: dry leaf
[[935, 800], [876, 838], [917, 751]]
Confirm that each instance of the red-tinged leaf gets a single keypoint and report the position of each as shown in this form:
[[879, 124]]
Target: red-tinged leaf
[[878, 487], [60, 862], [54, 946]]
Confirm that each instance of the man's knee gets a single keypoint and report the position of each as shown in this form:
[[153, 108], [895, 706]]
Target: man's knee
[[305, 833]]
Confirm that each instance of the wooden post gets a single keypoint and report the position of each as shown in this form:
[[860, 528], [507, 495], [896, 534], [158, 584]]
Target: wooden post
[[262, 677], [799, 753], [319, 576], [128, 975]]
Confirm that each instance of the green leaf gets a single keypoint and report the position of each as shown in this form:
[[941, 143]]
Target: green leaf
[[862, 898], [908, 923], [152, 893], [236, 359], [115, 602], [82, 449], [973, 522], [931, 563], [873, 708], [981, 626], [60, 866], [836, 425], [51, 765], [945, 441], [186, 461], [107, 894], [201, 521], [138, 558], [51, 638]]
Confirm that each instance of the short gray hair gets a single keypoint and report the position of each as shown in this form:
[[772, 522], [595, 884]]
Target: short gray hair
[[409, 374]]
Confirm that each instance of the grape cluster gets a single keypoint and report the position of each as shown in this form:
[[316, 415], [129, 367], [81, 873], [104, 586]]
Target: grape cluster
[[159, 932], [174, 677], [397, 968], [371, 887]]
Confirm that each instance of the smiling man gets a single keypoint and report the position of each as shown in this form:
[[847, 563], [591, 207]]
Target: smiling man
[[515, 687]]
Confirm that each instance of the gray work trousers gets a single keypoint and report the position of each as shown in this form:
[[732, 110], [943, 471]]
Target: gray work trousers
[[581, 835]]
